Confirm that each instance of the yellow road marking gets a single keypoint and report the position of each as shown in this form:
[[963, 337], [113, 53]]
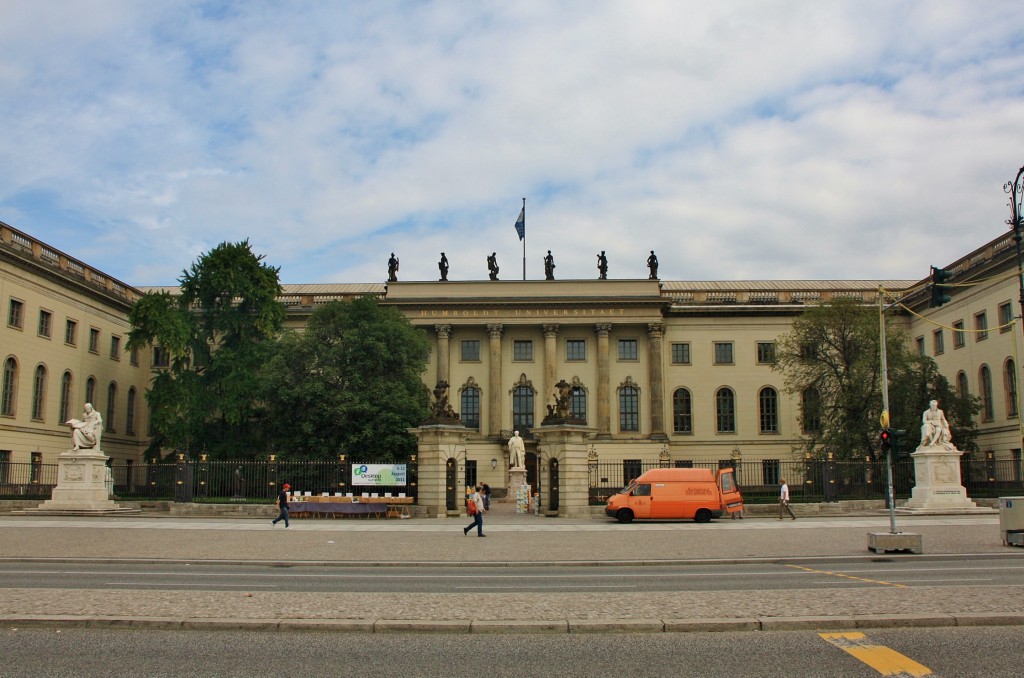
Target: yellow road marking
[[846, 576], [886, 661]]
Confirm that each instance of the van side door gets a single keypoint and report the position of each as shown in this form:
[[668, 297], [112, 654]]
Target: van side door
[[729, 491], [640, 500]]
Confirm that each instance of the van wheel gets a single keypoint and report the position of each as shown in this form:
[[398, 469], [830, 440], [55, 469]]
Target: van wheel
[[703, 516], [624, 516]]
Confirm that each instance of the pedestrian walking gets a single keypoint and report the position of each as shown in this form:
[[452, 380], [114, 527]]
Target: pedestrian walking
[[282, 504], [784, 501], [475, 508], [487, 496]]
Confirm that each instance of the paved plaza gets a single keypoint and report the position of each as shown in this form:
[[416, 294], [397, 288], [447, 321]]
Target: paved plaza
[[543, 542]]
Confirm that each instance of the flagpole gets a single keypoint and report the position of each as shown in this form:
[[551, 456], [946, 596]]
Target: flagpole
[[524, 238]]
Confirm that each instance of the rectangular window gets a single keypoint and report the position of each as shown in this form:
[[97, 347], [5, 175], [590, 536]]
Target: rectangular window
[[133, 357], [938, 342], [161, 358], [71, 332], [766, 352], [723, 353], [94, 340], [5, 466], [631, 470], [115, 348], [981, 326], [575, 350], [628, 349], [522, 350], [471, 473], [45, 323], [681, 353], [470, 410], [470, 350], [919, 342], [14, 313], [1005, 317], [770, 472], [958, 334]]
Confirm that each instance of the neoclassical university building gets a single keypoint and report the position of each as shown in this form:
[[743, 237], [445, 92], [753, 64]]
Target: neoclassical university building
[[674, 370]]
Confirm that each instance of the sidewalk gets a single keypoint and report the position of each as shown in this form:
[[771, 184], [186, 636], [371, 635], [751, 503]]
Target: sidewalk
[[543, 542]]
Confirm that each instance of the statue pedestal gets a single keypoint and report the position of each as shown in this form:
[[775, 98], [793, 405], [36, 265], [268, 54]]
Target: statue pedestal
[[81, 487], [518, 489], [938, 487]]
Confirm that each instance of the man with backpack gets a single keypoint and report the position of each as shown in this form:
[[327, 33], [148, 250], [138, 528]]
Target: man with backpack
[[475, 508]]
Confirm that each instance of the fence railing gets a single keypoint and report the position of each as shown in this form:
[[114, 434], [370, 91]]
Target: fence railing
[[205, 481], [819, 480]]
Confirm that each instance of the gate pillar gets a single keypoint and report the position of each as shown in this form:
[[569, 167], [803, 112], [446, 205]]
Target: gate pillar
[[569, 488], [439, 449]]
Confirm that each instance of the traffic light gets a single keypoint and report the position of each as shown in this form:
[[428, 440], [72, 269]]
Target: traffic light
[[885, 440], [939, 278]]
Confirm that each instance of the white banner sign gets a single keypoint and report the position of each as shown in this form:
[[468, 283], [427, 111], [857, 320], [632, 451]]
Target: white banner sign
[[378, 474]]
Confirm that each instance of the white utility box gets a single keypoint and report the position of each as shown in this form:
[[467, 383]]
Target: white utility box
[[1011, 520]]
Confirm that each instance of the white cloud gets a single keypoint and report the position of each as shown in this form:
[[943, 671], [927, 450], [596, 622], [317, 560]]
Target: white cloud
[[738, 140]]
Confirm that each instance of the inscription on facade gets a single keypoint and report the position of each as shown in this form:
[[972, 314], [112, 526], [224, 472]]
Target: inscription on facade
[[523, 313]]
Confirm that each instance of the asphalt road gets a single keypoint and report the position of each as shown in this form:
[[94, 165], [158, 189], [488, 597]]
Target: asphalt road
[[789, 576], [991, 652]]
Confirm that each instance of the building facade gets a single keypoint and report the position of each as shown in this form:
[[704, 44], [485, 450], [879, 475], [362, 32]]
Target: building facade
[[677, 372]]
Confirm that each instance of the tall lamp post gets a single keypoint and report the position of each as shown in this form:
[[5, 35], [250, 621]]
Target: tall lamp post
[[1016, 190]]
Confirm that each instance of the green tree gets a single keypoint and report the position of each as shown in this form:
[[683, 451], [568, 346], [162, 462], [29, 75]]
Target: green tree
[[352, 382], [217, 333], [831, 360]]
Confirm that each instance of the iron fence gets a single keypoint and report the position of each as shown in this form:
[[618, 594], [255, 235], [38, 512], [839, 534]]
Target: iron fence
[[206, 481], [816, 481]]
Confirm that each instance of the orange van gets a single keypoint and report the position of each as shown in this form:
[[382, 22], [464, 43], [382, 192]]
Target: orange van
[[697, 493]]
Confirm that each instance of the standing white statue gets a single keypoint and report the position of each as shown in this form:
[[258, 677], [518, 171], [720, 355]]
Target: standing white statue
[[85, 432], [934, 427], [516, 451]]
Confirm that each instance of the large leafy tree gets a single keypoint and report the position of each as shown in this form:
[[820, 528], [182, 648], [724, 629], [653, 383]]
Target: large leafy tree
[[216, 333], [831, 359], [352, 382]]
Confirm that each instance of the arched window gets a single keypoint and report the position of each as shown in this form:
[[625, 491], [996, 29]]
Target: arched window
[[65, 397], [469, 402], [90, 390], [129, 413], [682, 411], [985, 378], [39, 393], [9, 388], [725, 410], [768, 403], [1010, 386], [578, 403], [629, 409], [522, 407], [961, 385], [111, 403], [810, 410]]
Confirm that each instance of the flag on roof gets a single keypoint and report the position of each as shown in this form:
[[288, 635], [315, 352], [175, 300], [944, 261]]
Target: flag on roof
[[521, 223]]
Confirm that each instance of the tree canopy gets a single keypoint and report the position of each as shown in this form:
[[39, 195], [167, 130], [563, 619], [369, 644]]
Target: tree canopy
[[350, 382], [831, 359], [216, 335]]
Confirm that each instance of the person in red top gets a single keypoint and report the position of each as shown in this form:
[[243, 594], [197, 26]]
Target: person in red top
[[282, 502]]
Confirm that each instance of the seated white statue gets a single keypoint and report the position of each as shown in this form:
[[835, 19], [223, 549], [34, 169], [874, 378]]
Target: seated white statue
[[86, 432], [934, 427]]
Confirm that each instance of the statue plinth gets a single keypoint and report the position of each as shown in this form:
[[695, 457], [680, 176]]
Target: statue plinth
[[81, 486], [518, 489], [938, 487]]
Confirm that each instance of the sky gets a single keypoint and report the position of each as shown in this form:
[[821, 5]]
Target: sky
[[739, 140]]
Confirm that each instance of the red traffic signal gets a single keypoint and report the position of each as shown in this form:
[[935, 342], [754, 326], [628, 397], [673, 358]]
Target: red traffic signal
[[886, 440]]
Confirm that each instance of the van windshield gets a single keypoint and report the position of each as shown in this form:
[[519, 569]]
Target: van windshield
[[627, 488]]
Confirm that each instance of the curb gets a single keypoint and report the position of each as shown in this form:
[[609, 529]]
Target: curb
[[470, 626]]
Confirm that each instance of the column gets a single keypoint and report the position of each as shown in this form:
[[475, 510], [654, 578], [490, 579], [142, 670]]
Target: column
[[604, 419], [550, 363], [444, 332], [494, 382], [656, 377]]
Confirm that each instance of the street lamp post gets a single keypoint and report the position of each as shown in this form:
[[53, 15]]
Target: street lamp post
[[1016, 190]]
